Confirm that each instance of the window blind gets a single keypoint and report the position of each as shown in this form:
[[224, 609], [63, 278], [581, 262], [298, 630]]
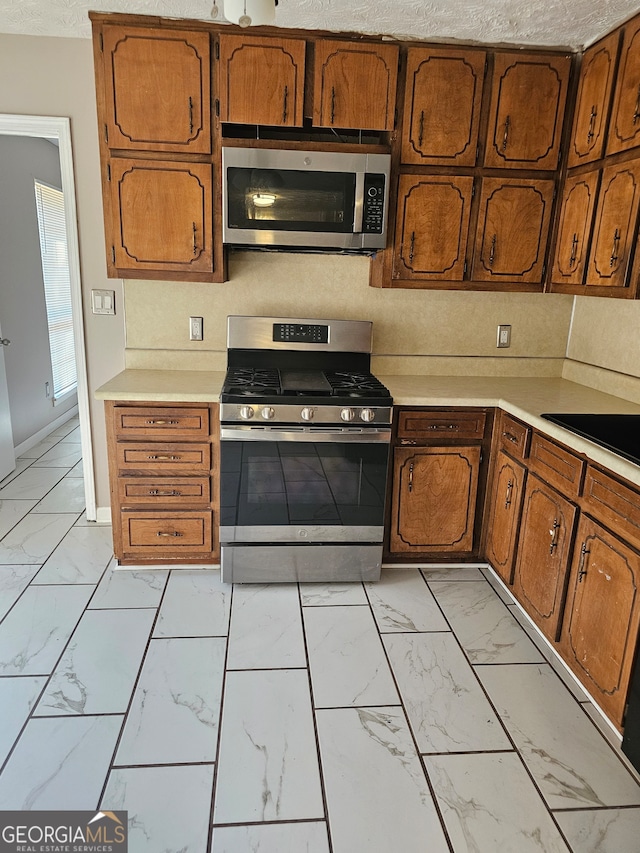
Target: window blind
[[57, 287]]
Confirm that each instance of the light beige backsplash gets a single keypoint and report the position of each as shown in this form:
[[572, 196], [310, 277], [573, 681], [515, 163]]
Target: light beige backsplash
[[606, 333], [415, 331]]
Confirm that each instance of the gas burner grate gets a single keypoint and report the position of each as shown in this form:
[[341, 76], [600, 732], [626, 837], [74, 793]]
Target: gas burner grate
[[248, 381], [356, 384]]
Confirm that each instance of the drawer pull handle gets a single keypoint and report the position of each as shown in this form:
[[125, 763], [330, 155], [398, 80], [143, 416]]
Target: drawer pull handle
[[163, 458], [412, 246], [507, 500], [173, 533], [581, 569], [161, 423], [510, 437], [554, 533], [492, 251], [408, 441], [574, 251], [614, 250], [443, 427], [411, 477], [505, 137], [170, 494], [636, 112], [421, 130], [284, 105], [333, 105]]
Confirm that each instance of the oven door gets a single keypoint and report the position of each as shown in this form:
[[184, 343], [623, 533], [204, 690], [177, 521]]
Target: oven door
[[303, 484]]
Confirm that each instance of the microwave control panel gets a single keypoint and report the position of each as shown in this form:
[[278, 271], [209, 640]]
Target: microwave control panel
[[373, 212]]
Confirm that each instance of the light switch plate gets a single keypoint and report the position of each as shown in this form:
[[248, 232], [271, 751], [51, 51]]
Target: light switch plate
[[103, 301]]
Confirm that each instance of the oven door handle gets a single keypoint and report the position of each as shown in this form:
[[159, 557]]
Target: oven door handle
[[370, 435]]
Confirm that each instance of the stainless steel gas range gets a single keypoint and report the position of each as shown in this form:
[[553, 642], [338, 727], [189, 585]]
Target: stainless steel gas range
[[305, 434]]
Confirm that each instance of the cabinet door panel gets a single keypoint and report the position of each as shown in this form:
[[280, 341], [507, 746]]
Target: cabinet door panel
[[162, 215], [434, 499], [624, 132], [433, 227], [442, 106], [592, 101], [355, 85], [602, 614], [158, 89], [527, 109], [261, 80], [513, 227], [543, 554], [507, 494], [574, 230], [614, 231]]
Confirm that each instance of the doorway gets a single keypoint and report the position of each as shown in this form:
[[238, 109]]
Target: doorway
[[58, 128]]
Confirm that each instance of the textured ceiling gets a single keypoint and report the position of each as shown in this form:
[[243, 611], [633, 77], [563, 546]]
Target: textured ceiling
[[567, 23]]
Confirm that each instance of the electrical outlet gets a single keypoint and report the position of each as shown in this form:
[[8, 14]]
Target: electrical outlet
[[504, 336], [195, 328]]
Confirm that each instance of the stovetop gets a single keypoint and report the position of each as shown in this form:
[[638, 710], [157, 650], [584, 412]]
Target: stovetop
[[315, 387]]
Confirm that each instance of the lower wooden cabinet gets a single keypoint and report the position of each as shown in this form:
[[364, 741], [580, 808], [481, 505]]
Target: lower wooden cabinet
[[602, 615], [434, 498], [540, 576], [437, 483], [163, 468], [503, 520]]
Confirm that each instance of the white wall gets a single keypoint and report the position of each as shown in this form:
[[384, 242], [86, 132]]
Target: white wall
[[23, 316], [54, 77]]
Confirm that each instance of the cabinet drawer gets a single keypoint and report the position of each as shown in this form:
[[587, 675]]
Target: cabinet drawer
[[555, 465], [158, 422], [164, 491], [615, 504], [514, 437], [167, 532], [443, 424], [163, 458]]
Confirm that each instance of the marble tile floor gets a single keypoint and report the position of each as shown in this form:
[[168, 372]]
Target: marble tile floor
[[417, 714]]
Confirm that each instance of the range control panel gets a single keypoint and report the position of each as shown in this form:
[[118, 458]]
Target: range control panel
[[300, 333]]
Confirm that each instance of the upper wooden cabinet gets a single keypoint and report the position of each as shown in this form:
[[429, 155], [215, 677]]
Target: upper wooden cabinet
[[615, 226], [592, 101], [442, 106], [261, 80], [624, 132], [513, 224], [355, 84], [528, 98], [574, 229], [432, 227], [161, 216], [157, 89]]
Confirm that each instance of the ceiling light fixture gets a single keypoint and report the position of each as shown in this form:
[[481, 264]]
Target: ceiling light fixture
[[249, 13]]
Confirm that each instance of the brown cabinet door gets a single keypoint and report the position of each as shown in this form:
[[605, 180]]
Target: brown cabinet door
[[592, 101], [600, 626], [432, 227], [624, 131], [513, 227], [615, 225], [161, 215], [504, 514], [434, 499], [157, 89], [528, 97], [574, 229], [355, 84], [261, 80], [540, 576], [442, 106]]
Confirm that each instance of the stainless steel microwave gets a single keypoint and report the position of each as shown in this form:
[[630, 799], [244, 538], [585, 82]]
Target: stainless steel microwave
[[310, 199]]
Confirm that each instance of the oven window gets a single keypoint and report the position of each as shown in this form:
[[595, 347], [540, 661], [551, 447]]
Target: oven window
[[285, 483], [290, 200]]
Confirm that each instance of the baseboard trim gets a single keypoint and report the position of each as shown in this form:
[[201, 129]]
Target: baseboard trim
[[37, 437], [103, 515]]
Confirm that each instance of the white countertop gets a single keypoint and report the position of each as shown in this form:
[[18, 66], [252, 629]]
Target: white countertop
[[525, 398]]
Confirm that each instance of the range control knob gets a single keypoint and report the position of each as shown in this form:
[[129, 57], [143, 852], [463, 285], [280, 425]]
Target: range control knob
[[347, 414], [268, 413], [246, 413], [307, 413], [367, 415]]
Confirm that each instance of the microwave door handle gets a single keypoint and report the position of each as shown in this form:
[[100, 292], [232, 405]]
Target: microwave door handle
[[358, 210]]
